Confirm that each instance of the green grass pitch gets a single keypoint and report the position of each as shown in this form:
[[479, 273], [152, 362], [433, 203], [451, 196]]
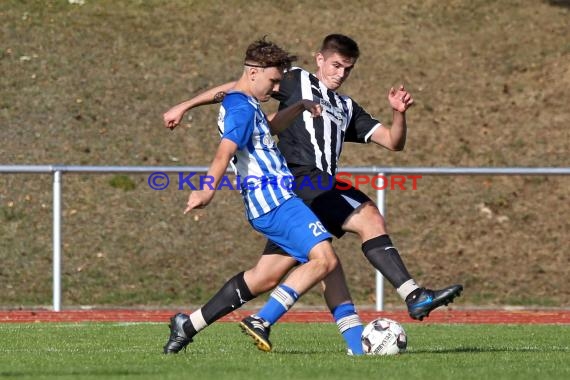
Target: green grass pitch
[[301, 351]]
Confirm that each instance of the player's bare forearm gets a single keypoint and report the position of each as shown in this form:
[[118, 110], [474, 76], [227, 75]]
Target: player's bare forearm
[[283, 119], [398, 131], [201, 198], [393, 138], [226, 150], [174, 115]]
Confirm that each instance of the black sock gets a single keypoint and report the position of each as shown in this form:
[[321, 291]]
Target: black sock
[[230, 297], [385, 257]]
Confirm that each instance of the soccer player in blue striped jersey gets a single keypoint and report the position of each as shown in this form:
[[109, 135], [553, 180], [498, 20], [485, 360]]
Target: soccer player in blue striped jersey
[[275, 211]]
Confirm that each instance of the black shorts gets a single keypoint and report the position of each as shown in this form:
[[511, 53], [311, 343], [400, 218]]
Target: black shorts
[[332, 206]]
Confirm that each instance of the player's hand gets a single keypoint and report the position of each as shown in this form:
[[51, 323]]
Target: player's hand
[[313, 107], [199, 199], [173, 116], [400, 99]]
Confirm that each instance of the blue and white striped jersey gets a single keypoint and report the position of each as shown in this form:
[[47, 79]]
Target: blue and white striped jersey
[[261, 168]]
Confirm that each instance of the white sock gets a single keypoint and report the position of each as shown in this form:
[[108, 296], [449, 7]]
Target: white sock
[[197, 320], [406, 288]]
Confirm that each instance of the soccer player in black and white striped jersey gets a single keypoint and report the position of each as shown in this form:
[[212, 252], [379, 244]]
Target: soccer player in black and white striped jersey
[[312, 148]]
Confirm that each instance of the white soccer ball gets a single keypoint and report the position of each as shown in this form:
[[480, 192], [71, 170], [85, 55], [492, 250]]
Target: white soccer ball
[[384, 336]]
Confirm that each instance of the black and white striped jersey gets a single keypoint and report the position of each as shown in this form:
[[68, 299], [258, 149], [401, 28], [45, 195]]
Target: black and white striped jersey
[[317, 142]]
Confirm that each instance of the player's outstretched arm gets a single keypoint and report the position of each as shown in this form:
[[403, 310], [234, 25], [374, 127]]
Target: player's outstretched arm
[[282, 119], [394, 138], [173, 116], [201, 198]]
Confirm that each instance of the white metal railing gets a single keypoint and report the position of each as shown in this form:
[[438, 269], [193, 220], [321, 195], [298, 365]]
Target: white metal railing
[[58, 170]]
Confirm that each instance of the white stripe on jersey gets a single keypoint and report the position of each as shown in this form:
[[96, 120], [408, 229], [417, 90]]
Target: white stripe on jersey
[[307, 93], [369, 134], [348, 109], [327, 129], [353, 203], [262, 156]]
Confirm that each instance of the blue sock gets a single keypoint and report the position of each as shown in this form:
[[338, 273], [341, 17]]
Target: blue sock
[[350, 326], [280, 300]]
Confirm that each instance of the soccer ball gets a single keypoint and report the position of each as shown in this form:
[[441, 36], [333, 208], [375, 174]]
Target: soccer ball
[[384, 336]]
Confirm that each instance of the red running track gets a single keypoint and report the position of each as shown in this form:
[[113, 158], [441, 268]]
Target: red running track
[[519, 316]]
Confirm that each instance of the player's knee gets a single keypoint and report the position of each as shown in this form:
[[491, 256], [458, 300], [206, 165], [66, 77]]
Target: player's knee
[[324, 257], [330, 261], [366, 221], [371, 214], [322, 267]]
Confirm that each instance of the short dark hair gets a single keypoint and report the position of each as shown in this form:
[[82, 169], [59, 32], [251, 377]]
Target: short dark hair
[[339, 43], [263, 53]]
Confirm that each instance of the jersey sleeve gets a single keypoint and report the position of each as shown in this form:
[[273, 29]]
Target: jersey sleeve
[[238, 125], [361, 125]]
